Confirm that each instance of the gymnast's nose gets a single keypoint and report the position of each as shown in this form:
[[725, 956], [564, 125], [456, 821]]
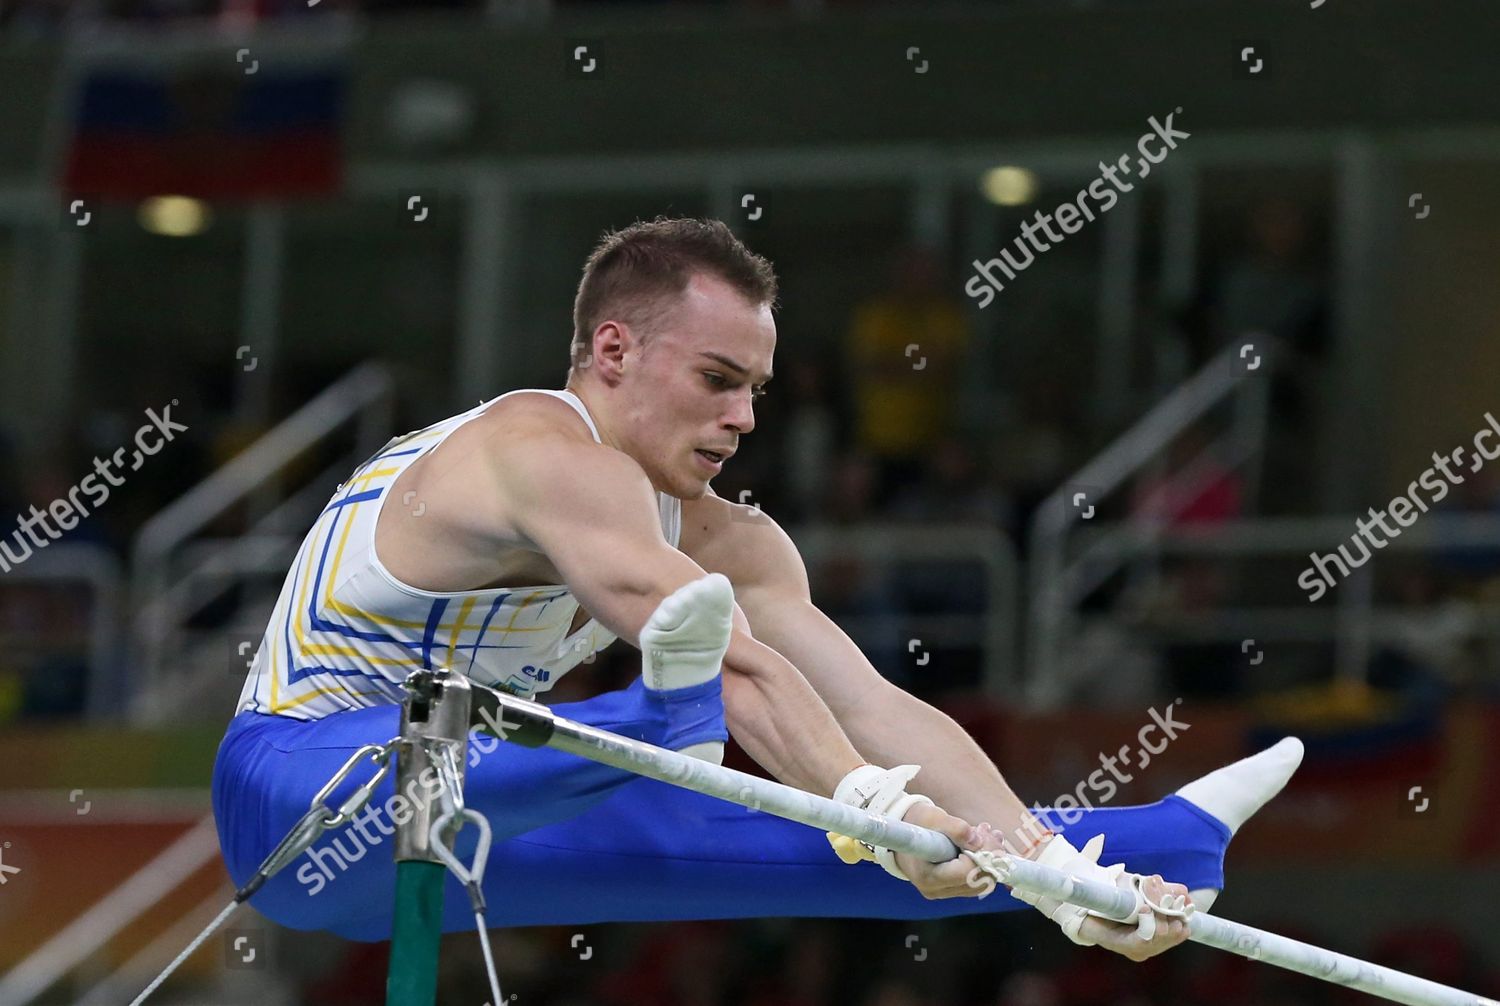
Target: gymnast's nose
[[740, 416]]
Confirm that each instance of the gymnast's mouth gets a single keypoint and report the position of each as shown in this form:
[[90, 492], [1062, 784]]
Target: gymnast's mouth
[[716, 456]]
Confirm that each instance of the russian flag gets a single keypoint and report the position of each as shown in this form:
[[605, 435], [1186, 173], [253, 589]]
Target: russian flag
[[223, 134]]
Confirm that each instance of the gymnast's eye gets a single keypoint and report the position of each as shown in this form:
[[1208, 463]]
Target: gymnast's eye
[[717, 380]]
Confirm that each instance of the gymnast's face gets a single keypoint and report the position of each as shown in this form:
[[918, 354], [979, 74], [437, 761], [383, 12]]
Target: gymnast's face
[[690, 391]]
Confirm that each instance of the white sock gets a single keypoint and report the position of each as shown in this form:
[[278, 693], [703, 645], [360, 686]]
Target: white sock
[[684, 641], [1236, 791], [1203, 898], [711, 751]]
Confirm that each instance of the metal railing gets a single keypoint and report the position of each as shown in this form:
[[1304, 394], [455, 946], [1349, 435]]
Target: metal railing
[[1347, 616], [168, 573], [1058, 581]]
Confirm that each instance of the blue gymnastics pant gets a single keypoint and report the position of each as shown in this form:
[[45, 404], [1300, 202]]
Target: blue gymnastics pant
[[576, 842]]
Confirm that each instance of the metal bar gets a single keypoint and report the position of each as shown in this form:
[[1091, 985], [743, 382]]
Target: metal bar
[[1246, 941], [484, 286], [436, 710], [532, 724], [1056, 516]]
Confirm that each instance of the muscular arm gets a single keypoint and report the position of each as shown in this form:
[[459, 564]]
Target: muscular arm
[[887, 725], [593, 512], [776, 716]]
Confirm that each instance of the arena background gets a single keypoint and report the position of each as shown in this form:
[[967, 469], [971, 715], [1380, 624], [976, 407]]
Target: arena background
[[310, 226]]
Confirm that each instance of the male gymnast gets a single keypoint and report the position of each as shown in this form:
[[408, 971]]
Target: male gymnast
[[512, 541]]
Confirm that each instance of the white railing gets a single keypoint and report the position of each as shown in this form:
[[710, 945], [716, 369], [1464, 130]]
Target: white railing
[[1346, 615], [166, 574], [1058, 581]]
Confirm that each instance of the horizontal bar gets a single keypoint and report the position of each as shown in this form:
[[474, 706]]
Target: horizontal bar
[[535, 725], [1246, 941], [532, 724]]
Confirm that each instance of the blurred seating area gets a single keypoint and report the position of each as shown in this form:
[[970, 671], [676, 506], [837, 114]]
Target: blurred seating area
[[872, 424], [48, 15], [1008, 960]]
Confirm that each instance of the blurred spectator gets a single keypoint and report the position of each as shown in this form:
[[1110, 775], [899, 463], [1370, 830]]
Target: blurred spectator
[[906, 347], [1275, 287], [1032, 457], [48, 483], [849, 494]]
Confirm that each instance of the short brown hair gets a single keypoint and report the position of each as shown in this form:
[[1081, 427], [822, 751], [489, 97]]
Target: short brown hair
[[637, 274]]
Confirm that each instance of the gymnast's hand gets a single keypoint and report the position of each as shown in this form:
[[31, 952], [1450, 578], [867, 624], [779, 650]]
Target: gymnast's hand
[[1125, 940], [1139, 939], [953, 879]]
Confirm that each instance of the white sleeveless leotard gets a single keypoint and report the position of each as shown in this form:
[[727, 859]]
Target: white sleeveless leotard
[[345, 632]]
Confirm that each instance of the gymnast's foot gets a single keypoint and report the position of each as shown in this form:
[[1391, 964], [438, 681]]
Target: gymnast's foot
[[1236, 791], [683, 645]]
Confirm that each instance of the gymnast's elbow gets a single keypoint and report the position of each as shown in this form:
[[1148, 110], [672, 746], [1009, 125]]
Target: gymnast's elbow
[[747, 658], [747, 703]]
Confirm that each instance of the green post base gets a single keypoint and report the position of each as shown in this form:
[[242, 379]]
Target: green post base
[[415, 935]]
